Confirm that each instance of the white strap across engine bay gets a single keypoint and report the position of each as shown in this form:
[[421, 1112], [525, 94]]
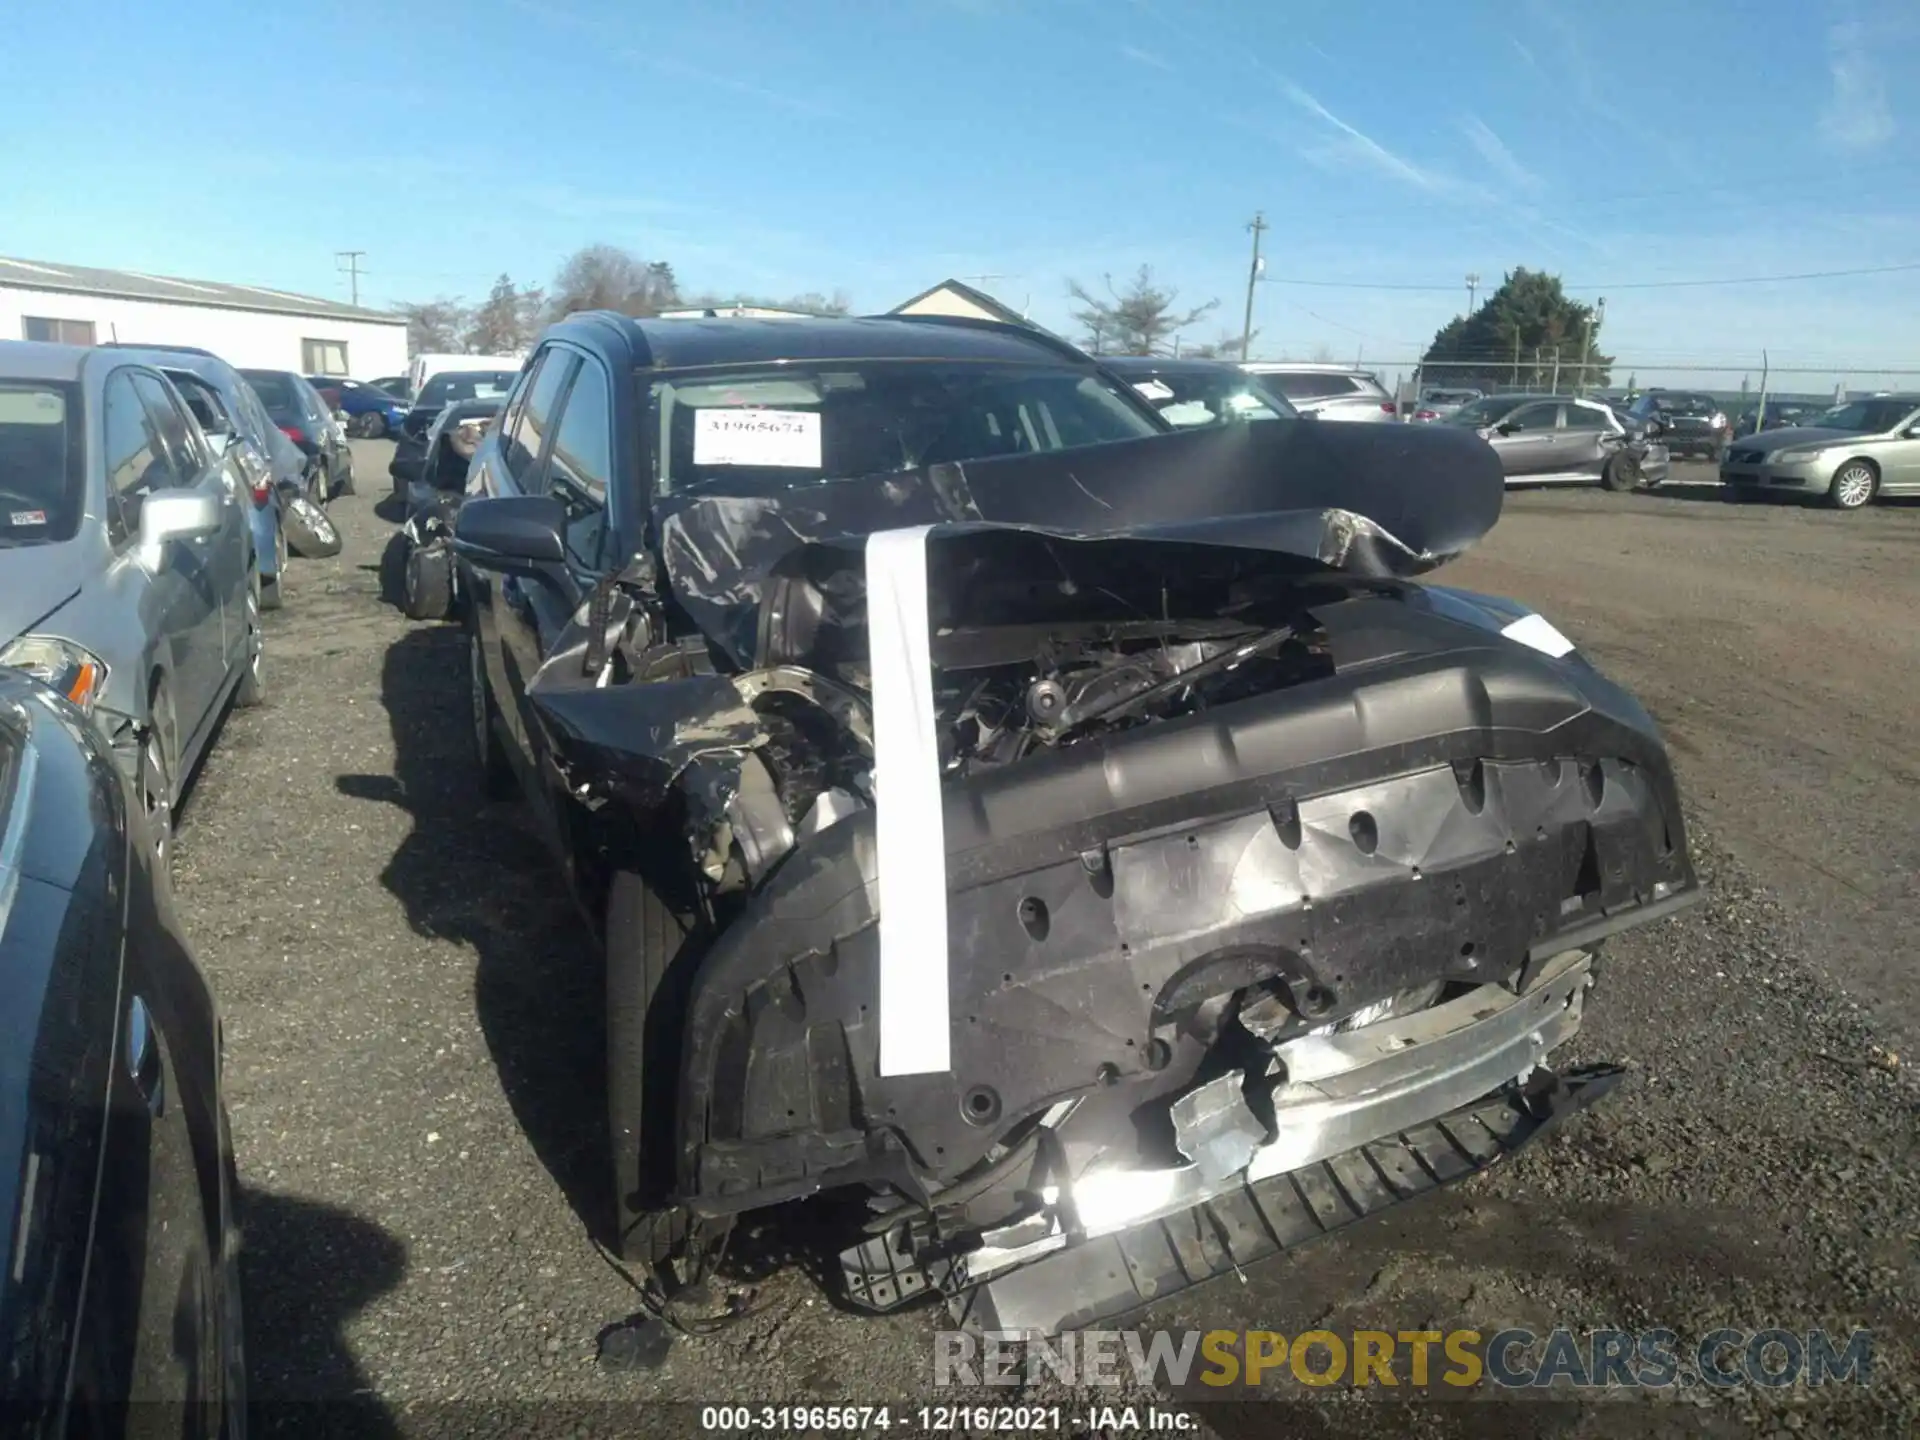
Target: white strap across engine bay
[[909, 823]]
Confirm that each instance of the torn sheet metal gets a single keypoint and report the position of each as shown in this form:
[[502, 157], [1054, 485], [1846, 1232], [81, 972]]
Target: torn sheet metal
[[908, 819], [1374, 500]]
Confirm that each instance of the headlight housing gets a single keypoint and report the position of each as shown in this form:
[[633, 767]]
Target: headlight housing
[[1798, 457], [74, 671]]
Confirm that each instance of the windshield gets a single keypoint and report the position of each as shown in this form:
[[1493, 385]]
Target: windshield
[[275, 391], [1191, 400], [774, 428], [41, 485], [452, 385], [1864, 417]]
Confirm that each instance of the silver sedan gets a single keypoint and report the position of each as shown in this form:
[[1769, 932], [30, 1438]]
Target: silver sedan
[[128, 579], [1847, 456]]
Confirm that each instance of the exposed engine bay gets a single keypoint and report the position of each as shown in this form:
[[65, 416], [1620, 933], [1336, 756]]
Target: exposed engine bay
[[1272, 876]]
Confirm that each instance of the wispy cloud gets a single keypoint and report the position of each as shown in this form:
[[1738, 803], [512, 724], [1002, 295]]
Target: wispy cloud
[[1525, 54], [1593, 80], [1356, 145], [1495, 152], [667, 65], [1857, 116], [1145, 57]]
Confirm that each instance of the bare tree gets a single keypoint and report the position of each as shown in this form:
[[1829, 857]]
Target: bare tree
[[506, 321], [1227, 347], [434, 326], [1141, 320], [605, 277], [812, 302], [1323, 354]]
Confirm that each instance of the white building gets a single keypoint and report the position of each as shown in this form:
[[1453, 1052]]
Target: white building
[[244, 325]]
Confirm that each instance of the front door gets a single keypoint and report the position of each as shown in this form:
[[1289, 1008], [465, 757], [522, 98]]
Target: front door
[[1527, 440], [212, 630]]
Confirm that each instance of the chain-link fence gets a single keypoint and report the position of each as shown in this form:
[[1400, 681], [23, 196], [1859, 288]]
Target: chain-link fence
[[1733, 384]]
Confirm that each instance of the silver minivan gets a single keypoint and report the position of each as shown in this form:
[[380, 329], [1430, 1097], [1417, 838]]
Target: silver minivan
[[128, 577]]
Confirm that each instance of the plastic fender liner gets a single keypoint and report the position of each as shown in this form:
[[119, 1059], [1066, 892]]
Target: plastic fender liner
[[1427, 816]]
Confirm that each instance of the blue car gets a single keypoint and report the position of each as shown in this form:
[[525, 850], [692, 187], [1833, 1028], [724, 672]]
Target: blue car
[[237, 425], [371, 412]]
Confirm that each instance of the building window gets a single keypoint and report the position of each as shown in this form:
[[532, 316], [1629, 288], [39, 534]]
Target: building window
[[324, 357], [58, 332]]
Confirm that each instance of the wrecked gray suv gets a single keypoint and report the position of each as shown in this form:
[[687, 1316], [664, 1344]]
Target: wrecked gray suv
[[1099, 853]]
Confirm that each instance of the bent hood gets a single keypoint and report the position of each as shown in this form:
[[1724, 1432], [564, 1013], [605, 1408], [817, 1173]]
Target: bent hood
[[1388, 501], [35, 581], [1794, 436]]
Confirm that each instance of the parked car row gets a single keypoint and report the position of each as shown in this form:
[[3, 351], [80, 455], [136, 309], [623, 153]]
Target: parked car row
[[149, 499]]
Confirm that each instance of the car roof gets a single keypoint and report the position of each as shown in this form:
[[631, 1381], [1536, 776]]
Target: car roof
[[42, 360], [657, 344]]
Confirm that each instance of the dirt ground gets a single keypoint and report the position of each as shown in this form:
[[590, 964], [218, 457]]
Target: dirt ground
[[412, 1020]]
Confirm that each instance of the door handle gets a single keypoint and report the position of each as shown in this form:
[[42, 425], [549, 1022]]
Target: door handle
[[143, 1056]]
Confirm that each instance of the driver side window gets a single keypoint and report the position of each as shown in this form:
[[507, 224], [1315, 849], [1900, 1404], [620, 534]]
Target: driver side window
[[132, 454], [1531, 419]]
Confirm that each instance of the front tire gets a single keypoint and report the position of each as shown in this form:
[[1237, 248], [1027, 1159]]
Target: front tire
[[311, 534], [427, 583], [497, 781], [647, 944], [1854, 485], [253, 681]]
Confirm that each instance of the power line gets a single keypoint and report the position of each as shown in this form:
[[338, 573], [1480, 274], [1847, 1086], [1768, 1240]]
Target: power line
[[1612, 285]]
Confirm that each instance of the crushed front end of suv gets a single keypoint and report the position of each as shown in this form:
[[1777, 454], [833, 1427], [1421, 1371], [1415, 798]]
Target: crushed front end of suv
[[1113, 865]]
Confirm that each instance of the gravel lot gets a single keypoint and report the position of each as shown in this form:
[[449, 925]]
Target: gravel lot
[[412, 1018]]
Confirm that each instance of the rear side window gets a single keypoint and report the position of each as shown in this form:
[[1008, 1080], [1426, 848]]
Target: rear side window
[[1534, 417], [530, 429], [1312, 386], [179, 449]]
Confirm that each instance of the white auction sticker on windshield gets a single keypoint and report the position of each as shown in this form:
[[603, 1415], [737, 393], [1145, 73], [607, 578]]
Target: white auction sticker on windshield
[[28, 517], [757, 437]]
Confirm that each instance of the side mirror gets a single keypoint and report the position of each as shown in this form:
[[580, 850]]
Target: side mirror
[[1507, 427], [514, 534], [167, 515]]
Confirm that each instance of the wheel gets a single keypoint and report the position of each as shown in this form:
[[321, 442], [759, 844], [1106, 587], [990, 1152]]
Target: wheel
[[345, 479], [270, 596], [253, 682], [497, 780], [1621, 472], [311, 534], [320, 483], [375, 426], [427, 584], [1854, 484], [156, 778], [649, 950]]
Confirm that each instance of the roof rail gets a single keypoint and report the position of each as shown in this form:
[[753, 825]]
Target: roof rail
[[976, 322]]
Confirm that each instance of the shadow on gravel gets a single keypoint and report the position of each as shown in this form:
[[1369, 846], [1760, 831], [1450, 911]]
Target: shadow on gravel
[[473, 874], [307, 1268]]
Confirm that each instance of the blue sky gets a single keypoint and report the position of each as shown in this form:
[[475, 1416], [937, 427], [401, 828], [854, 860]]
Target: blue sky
[[877, 146]]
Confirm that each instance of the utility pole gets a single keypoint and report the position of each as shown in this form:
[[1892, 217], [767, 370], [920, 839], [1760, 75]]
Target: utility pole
[[1258, 225], [1599, 312], [352, 267], [1473, 284]]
